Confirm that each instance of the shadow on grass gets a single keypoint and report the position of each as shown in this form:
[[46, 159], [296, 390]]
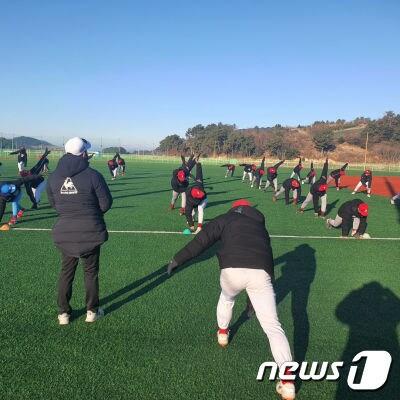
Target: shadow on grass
[[372, 314], [152, 280]]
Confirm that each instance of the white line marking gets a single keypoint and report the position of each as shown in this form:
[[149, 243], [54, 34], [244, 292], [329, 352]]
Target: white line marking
[[180, 233]]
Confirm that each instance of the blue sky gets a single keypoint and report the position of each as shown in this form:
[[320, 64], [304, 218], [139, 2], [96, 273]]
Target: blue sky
[[134, 72]]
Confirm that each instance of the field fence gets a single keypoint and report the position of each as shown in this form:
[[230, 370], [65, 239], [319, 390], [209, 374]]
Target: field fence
[[137, 157]]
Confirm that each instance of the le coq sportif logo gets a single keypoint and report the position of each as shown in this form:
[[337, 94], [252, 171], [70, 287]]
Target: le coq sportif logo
[[68, 187], [374, 374]]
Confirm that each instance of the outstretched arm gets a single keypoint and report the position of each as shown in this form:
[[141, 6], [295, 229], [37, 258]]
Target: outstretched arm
[[210, 234], [324, 173], [279, 164]]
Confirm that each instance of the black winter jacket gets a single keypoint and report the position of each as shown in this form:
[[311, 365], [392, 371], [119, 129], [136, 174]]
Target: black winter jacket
[[80, 196], [272, 175], [366, 180], [288, 186], [245, 241], [176, 185], [347, 211]]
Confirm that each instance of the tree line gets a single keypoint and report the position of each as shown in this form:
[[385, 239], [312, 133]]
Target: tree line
[[283, 142]]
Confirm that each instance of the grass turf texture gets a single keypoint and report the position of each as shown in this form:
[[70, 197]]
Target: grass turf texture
[[335, 298]]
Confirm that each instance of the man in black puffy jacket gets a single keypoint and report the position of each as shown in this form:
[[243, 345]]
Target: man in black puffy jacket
[[351, 217], [246, 262], [81, 197]]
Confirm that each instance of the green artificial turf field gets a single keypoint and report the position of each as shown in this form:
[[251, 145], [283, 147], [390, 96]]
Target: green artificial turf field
[[157, 341]]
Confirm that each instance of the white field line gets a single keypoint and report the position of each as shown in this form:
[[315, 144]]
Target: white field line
[[180, 233]]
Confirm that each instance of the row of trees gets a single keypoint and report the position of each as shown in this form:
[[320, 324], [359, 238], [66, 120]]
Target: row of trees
[[283, 142]]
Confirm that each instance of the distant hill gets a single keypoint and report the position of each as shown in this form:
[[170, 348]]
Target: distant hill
[[26, 141]]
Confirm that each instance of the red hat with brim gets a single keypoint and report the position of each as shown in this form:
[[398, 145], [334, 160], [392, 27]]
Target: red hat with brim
[[181, 176], [197, 193], [295, 183], [272, 170], [323, 187], [363, 209], [262, 172], [241, 203]]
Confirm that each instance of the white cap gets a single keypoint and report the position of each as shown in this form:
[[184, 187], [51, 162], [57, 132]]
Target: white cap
[[77, 146]]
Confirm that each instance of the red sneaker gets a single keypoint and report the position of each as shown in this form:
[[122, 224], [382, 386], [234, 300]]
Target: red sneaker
[[12, 221], [20, 213]]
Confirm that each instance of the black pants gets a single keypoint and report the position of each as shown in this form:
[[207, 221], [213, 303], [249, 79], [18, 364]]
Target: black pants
[[66, 279]]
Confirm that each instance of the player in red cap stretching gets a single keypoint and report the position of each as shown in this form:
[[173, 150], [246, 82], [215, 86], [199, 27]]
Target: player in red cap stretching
[[351, 217], [365, 180], [287, 186], [196, 199], [317, 192]]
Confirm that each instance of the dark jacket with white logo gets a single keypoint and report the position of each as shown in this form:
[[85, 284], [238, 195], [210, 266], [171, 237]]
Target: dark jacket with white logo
[[245, 241], [80, 196], [347, 211]]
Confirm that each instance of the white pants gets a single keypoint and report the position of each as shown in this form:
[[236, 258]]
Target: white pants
[[275, 182], [282, 190], [175, 195], [359, 184], [200, 211], [21, 166], [337, 222], [254, 181], [37, 192], [309, 198], [249, 175], [258, 286]]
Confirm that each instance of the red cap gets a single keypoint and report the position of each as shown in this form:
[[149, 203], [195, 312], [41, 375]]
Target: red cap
[[322, 187], [342, 172], [272, 170], [181, 176], [262, 172], [367, 172], [197, 193], [241, 202], [295, 183], [363, 209]]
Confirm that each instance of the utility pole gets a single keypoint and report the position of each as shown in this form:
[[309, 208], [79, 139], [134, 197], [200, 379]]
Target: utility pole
[[366, 150]]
